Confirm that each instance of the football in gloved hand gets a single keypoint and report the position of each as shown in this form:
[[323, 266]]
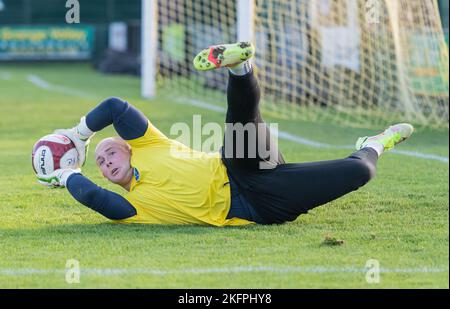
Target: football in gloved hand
[[52, 152]]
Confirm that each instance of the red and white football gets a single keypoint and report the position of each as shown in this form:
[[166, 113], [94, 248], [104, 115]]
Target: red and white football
[[52, 152]]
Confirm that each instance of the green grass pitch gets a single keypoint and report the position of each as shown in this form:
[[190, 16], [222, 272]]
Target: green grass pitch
[[400, 218]]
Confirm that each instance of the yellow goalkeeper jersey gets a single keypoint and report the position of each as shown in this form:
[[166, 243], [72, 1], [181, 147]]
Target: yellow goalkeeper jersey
[[174, 184]]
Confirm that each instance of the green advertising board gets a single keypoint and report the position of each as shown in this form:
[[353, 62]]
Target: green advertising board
[[46, 42]]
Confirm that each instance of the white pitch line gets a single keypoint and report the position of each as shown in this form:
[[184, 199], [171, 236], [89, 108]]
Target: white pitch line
[[41, 83], [304, 141], [37, 81], [416, 154], [301, 140], [201, 104], [215, 270]]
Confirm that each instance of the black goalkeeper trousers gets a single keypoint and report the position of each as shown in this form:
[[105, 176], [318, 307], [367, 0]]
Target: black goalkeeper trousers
[[279, 191]]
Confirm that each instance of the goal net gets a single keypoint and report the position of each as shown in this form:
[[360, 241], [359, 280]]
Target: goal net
[[355, 62]]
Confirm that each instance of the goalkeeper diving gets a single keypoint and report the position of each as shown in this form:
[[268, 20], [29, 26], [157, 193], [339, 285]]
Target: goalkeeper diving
[[236, 186]]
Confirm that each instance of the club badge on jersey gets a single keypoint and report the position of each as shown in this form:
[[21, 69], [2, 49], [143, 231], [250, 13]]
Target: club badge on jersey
[[136, 174]]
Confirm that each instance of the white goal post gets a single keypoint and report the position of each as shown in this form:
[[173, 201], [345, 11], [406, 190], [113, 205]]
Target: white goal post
[[149, 41]]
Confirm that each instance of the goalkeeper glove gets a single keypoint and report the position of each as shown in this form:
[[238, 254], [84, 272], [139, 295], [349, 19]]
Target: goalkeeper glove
[[80, 136], [57, 179]]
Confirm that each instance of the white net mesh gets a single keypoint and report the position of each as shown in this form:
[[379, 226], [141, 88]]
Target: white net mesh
[[356, 62]]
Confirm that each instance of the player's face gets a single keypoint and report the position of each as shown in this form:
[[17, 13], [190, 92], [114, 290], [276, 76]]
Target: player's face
[[113, 159]]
